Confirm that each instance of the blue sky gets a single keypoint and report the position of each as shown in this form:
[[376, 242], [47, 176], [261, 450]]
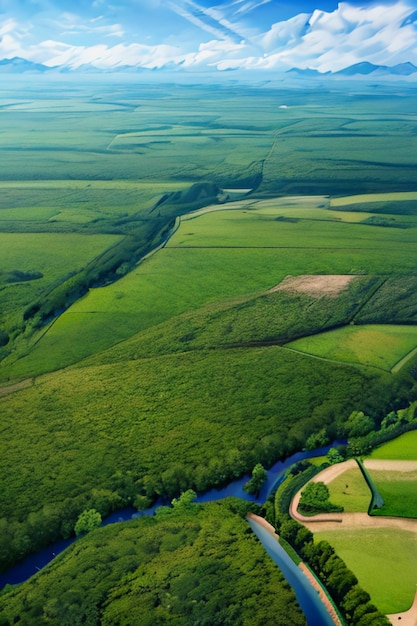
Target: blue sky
[[201, 34]]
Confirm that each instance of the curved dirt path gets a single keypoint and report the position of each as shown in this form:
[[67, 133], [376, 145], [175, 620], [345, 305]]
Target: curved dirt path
[[328, 521], [354, 520]]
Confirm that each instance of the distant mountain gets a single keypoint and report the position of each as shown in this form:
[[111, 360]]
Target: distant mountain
[[17, 65], [365, 68], [306, 72]]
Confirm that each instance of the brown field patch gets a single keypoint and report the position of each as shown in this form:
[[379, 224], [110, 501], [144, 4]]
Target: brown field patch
[[318, 285]]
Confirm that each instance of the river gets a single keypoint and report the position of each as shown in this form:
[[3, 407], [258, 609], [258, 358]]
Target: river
[[308, 598], [306, 594]]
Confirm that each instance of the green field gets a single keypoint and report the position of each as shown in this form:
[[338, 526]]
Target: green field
[[397, 489], [403, 448], [383, 560], [350, 491], [227, 253], [379, 346], [143, 231]]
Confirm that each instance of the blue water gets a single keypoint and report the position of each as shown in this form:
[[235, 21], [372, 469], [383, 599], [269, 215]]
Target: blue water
[[308, 598]]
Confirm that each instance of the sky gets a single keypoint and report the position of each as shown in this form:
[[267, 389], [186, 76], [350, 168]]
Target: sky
[[203, 35]]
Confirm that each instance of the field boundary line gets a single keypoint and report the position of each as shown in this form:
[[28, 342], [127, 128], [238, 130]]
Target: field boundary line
[[396, 368]]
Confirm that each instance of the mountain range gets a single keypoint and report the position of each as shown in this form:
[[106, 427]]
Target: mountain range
[[18, 65]]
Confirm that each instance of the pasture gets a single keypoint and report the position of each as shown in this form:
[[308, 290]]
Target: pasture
[[379, 345], [382, 559], [52, 256], [350, 491], [403, 448], [398, 489]]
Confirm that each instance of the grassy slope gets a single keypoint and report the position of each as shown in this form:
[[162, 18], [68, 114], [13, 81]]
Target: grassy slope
[[378, 346], [212, 257], [402, 448], [55, 255]]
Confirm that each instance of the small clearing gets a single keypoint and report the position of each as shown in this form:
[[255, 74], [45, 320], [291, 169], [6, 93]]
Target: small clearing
[[319, 285]]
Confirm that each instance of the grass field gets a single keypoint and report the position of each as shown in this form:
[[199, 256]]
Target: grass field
[[53, 256], [398, 490], [227, 253], [403, 448], [383, 560], [350, 491], [378, 346]]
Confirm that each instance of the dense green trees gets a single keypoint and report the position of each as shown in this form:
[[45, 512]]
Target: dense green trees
[[195, 564]]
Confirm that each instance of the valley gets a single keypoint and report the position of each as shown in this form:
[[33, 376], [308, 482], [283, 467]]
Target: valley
[[188, 289]]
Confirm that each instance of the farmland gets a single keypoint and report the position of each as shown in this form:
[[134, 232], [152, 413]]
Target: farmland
[[152, 253], [390, 581], [378, 346]]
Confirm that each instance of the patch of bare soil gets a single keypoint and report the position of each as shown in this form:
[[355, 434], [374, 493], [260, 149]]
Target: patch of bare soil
[[317, 286]]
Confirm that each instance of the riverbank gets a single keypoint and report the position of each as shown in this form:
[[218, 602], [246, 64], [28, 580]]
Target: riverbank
[[306, 571]]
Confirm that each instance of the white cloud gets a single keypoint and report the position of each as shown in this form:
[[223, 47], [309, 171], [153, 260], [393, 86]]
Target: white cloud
[[105, 57], [321, 40], [348, 35]]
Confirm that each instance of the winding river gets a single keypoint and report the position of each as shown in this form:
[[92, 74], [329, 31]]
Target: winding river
[[307, 596]]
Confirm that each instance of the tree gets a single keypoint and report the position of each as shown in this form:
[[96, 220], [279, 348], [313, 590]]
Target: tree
[[315, 499], [358, 424], [253, 486], [317, 440], [185, 500], [334, 456], [87, 521]]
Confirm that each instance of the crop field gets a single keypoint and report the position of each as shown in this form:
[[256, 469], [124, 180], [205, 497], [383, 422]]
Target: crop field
[[379, 346], [390, 581]]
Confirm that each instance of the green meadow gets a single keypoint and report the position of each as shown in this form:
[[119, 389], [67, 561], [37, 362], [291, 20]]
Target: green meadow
[[379, 346], [223, 254], [149, 237], [403, 448], [350, 491], [382, 559]]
